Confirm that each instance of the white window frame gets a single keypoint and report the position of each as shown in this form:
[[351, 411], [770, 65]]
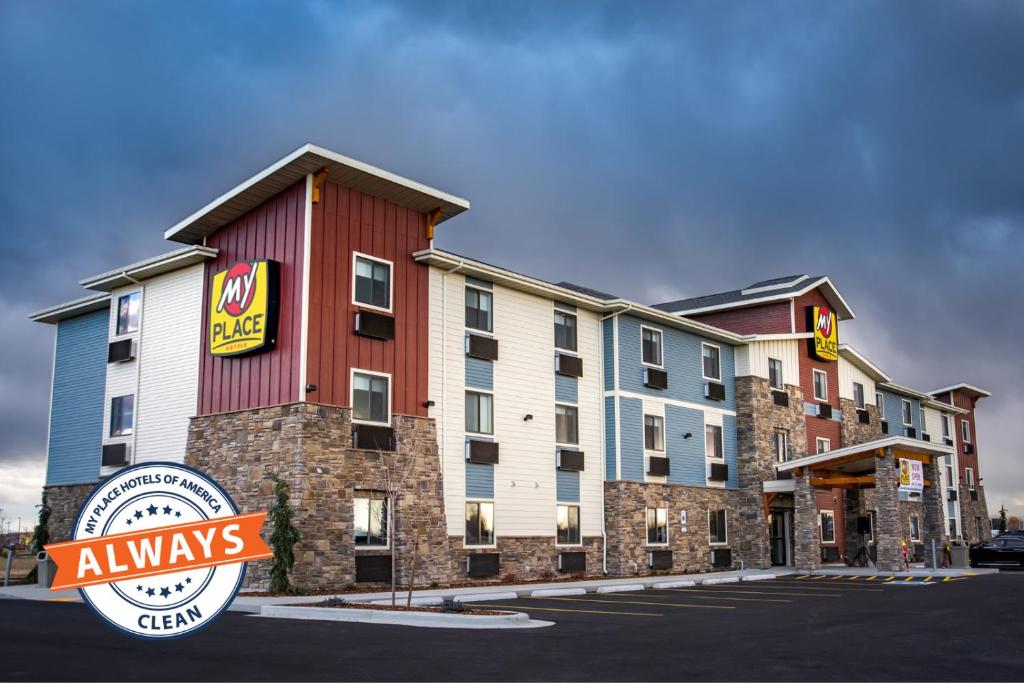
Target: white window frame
[[782, 381], [661, 347], [965, 431], [559, 311], [969, 478], [820, 440], [387, 536], [814, 384], [482, 392], [356, 255], [643, 425], [907, 409], [579, 517], [880, 404], [478, 330], [947, 428], [915, 534], [871, 525], [668, 528], [721, 441], [494, 522], [117, 315], [821, 529], [352, 394], [861, 403], [566, 443], [130, 430], [725, 522], [718, 348], [784, 433], [924, 421]]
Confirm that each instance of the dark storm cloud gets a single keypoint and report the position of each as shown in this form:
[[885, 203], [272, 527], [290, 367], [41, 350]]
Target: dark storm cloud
[[652, 150]]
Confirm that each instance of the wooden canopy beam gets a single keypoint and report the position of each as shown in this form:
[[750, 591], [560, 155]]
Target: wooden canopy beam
[[846, 480]]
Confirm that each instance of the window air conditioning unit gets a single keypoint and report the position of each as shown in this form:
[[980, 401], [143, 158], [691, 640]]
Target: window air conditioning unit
[[714, 391], [910, 432], [116, 454], [721, 558], [482, 452], [373, 437], [569, 460], [375, 325], [780, 398], [863, 417], [968, 448], [926, 437], [121, 351], [373, 568], [572, 562], [569, 366], [657, 466], [479, 346], [951, 494], [718, 472], [655, 379], [482, 565], [659, 559], [825, 411]]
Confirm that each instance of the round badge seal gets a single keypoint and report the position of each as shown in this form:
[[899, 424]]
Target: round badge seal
[[159, 550]]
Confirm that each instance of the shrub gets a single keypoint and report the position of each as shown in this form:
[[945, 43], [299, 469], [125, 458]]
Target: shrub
[[283, 538]]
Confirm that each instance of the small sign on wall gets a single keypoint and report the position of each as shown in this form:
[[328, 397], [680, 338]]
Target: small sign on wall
[[682, 520]]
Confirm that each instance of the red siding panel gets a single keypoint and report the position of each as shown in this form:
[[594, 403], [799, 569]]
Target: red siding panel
[[343, 222], [273, 230], [766, 319]]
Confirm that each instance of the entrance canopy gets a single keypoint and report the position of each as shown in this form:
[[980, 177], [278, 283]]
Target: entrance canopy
[[855, 465]]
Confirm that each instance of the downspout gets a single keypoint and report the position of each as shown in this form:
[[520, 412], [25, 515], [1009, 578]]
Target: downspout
[[138, 363], [604, 446]]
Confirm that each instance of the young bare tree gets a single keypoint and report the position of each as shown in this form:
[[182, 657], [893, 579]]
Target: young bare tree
[[392, 475]]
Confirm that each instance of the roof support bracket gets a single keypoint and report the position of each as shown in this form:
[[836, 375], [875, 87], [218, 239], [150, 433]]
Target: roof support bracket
[[432, 218], [319, 178]]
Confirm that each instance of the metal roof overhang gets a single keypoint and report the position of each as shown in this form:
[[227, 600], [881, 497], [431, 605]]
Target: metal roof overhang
[[149, 268], [71, 309], [846, 460], [306, 160]]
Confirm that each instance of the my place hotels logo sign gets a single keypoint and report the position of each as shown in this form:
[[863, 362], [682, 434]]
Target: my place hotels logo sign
[[825, 343], [159, 550], [243, 308]]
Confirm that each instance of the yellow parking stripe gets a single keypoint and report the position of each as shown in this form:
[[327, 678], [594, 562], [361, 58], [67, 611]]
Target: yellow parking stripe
[[711, 597], [805, 587], [836, 578], [578, 611], [927, 579], [873, 577], [639, 602], [890, 578], [804, 576]]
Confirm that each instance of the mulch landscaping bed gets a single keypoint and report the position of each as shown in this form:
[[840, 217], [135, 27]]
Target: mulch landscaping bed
[[379, 588]]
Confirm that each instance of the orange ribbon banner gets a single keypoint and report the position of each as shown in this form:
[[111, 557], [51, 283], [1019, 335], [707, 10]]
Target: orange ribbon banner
[[161, 550]]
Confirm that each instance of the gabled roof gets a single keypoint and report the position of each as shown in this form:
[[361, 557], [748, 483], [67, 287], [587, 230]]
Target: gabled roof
[[868, 450], [904, 391], [861, 362], [765, 291], [596, 293], [969, 389], [305, 160], [71, 309], [149, 268]]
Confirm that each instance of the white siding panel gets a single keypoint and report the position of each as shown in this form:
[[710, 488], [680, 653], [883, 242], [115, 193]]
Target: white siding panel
[[850, 373], [752, 359], [169, 352], [121, 377]]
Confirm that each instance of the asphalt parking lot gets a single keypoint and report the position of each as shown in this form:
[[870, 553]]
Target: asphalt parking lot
[[787, 629]]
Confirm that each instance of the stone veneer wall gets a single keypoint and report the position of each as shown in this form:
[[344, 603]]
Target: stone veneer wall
[[626, 502], [524, 558], [310, 447], [971, 509], [853, 432], [64, 503]]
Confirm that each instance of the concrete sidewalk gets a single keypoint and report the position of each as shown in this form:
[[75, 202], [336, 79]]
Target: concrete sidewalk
[[914, 571]]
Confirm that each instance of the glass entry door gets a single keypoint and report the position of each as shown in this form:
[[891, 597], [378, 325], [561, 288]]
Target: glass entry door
[[782, 537]]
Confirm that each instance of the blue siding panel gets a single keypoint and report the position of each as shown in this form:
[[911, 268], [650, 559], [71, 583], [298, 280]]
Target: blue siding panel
[[608, 352], [631, 424], [479, 374], [682, 362], [566, 389], [685, 456], [568, 486], [729, 440], [76, 411], [609, 438], [894, 414], [479, 480]]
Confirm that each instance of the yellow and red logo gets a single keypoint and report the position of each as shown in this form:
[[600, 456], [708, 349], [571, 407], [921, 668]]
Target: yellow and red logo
[[826, 336], [243, 308]]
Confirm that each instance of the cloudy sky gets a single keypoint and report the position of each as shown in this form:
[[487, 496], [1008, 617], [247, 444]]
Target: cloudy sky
[[653, 150]]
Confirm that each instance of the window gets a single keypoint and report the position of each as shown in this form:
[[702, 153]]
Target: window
[[775, 374], [908, 418], [716, 527], [924, 422], [372, 282], [965, 431], [827, 526], [915, 528], [479, 413], [370, 519], [969, 477], [122, 415], [566, 424], [870, 535], [881, 405], [371, 397], [858, 395], [949, 472], [479, 309], [945, 425], [128, 313], [713, 448], [780, 445], [822, 445], [657, 525], [568, 525], [651, 346], [712, 359], [479, 524], [654, 432], [565, 331], [952, 527], [820, 385]]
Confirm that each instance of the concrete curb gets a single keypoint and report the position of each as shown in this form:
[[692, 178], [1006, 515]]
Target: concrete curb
[[420, 619], [555, 592], [760, 577], [417, 602], [483, 597], [723, 579], [621, 589], [673, 584]]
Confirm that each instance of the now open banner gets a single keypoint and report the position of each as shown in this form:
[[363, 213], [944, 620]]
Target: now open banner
[[911, 476]]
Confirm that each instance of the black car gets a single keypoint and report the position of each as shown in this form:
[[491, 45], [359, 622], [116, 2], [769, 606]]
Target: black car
[[1006, 550]]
